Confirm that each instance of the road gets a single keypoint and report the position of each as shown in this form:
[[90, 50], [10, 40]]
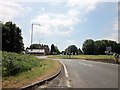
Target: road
[[86, 74], [90, 74]]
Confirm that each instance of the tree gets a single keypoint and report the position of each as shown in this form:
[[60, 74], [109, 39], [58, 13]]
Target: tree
[[35, 46], [112, 44], [88, 47], [119, 48], [72, 49], [57, 50], [100, 47], [62, 52], [53, 49], [12, 40], [80, 51]]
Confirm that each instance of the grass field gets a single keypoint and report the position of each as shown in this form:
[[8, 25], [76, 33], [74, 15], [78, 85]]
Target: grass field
[[82, 56], [44, 68], [103, 58]]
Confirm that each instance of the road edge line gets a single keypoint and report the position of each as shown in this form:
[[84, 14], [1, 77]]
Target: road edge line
[[65, 69], [66, 74]]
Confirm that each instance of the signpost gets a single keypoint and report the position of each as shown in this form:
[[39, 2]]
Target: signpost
[[108, 50]]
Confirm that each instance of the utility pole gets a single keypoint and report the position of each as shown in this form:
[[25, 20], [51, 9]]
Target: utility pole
[[40, 42]]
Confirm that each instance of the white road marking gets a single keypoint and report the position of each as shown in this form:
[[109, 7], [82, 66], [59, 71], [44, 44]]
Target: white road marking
[[87, 64], [66, 72], [68, 84]]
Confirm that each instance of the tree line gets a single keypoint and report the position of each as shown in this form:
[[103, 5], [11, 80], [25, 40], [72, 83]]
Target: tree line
[[92, 47], [12, 41]]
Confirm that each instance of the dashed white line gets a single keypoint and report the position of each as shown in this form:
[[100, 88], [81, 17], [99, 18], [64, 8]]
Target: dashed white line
[[87, 64]]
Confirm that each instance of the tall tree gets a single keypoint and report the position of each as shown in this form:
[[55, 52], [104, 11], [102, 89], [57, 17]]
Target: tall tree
[[88, 47], [53, 51], [57, 50], [12, 40]]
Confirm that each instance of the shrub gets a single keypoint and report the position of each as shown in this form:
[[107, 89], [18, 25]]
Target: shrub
[[13, 63]]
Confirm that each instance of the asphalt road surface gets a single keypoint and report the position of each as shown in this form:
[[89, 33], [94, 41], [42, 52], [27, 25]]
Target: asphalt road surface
[[90, 74], [86, 74]]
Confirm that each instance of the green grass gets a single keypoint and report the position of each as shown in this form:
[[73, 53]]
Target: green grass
[[82, 56], [103, 58], [39, 69]]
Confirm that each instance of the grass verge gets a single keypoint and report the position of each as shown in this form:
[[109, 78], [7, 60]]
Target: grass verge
[[44, 69], [102, 58]]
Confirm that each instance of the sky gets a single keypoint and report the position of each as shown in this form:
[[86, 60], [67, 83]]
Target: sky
[[62, 22]]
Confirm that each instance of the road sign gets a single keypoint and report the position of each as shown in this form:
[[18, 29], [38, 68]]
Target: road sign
[[108, 48]]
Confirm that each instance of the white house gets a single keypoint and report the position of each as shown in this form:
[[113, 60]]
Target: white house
[[35, 51]]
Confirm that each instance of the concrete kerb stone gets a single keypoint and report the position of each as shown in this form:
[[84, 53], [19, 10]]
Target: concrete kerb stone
[[41, 82]]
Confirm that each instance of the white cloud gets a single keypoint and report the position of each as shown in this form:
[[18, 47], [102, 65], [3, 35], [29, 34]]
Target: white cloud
[[10, 9], [54, 24], [63, 23], [83, 5], [114, 34]]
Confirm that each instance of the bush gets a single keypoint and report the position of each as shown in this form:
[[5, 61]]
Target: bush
[[13, 63]]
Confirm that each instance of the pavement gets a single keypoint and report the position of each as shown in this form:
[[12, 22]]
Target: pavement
[[79, 73]]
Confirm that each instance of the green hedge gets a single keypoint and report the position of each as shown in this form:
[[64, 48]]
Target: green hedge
[[13, 63]]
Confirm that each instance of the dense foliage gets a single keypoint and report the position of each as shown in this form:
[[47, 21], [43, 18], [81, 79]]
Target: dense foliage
[[88, 47], [72, 49], [54, 50], [92, 47], [13, 63], [12, 40]]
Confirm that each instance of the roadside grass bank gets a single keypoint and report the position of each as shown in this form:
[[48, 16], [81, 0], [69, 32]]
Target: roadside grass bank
[[102, 58], [20, 70]]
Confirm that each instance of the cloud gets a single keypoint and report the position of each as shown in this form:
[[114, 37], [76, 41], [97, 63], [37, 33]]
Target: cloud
[[63, 23], [11, 9], [52, 24], [86, 5], [114, 34]]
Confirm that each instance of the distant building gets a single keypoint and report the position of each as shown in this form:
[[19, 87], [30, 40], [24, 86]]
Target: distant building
[[38, 49], [35, 51]]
